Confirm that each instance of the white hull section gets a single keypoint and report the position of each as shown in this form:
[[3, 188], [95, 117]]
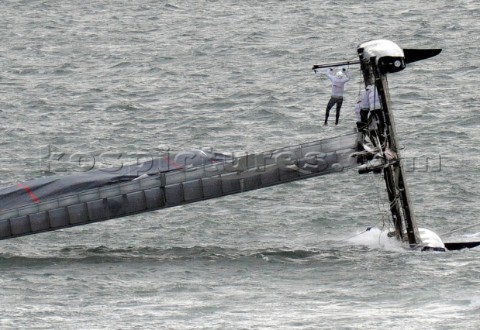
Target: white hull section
[[383, 239], [430, 240]]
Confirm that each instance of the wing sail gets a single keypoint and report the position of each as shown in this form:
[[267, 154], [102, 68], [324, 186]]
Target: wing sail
[[95, 198]]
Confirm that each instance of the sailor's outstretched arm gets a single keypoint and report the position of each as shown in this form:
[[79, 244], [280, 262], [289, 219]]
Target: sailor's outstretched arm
[[329, 74]]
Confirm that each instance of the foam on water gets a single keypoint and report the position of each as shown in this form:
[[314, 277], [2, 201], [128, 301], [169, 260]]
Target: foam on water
[[376, 238]]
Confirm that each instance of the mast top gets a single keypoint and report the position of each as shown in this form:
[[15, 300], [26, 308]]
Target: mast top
[[389, 57]]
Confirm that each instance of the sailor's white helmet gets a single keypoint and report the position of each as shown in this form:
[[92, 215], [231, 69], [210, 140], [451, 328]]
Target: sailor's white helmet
[[339, 74]]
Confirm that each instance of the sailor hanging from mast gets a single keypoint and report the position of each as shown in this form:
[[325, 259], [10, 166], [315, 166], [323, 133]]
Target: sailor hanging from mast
[[338, 86]]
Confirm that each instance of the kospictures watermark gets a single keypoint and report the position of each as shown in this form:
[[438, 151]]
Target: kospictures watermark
[[53, 159]]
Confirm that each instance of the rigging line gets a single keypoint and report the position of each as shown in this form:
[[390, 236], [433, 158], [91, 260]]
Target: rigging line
[[462, 228], [372, 178], [394, 202], [386, 211], [383, 211], [360, 233], [381, 208]]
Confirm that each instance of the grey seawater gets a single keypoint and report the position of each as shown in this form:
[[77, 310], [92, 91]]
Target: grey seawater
[[115, 81]]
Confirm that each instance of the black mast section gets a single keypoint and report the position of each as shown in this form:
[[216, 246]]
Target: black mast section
[[400, 202]]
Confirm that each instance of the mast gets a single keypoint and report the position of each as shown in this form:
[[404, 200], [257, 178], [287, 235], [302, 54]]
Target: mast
[[401, 207]]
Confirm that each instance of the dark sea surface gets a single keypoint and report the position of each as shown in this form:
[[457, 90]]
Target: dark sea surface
[[104, 82]]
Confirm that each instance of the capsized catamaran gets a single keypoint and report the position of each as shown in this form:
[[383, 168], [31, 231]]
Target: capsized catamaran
[[53, 203], [379, 146], [377, 58]]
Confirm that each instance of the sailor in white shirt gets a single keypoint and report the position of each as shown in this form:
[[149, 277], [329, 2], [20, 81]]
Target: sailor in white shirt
[[362, 109], [373, 98], [375, 103], [338, 85]]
